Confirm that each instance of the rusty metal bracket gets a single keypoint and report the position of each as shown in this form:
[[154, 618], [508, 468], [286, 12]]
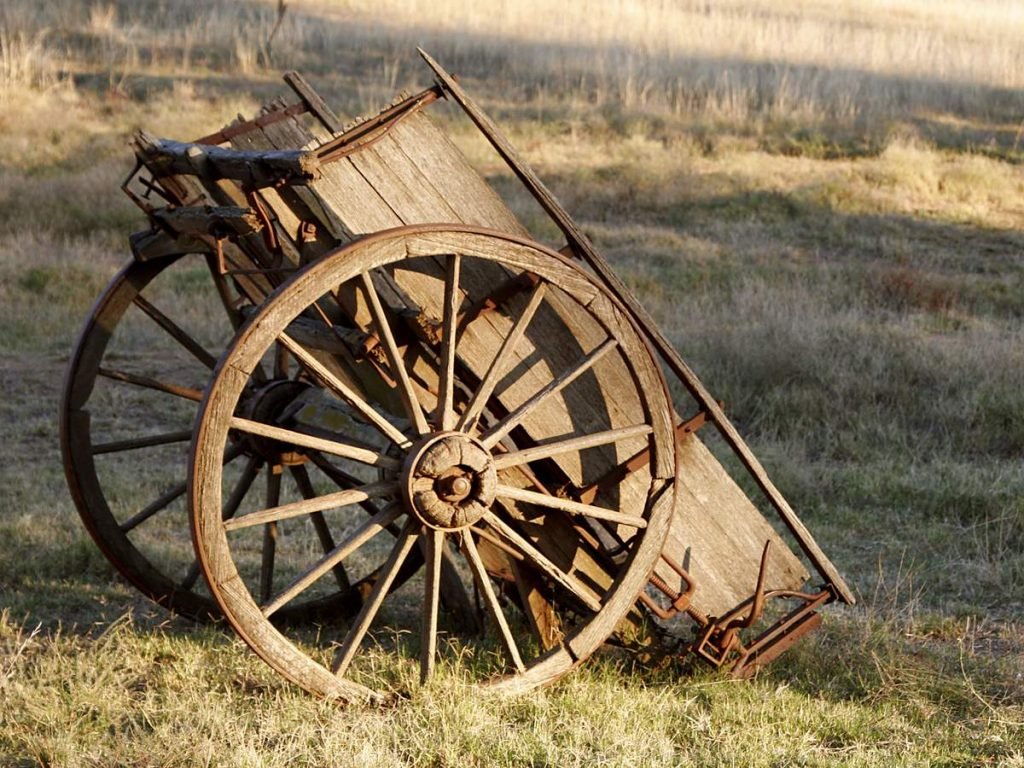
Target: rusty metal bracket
[[721, 636], [778, 638], [374, 129], [149, 186], [225, 135], [680, 600], [719, 639], [636, 461]]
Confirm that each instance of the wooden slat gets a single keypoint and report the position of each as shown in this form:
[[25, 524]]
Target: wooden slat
[[714, 532]]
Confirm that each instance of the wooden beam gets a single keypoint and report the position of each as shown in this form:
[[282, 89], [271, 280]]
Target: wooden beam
[[257, 169]]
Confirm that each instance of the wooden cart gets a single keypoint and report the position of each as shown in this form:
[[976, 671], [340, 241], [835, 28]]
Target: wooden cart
[[432, 402]]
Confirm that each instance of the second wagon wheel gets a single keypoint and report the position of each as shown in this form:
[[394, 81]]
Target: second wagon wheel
[[518, 389], [134, 380]]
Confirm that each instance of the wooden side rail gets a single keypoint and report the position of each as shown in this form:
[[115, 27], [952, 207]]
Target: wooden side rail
[[257, 169]]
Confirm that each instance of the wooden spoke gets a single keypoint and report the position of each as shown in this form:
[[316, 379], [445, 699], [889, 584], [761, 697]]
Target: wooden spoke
[[401, 550], [494, 539], [356, 539], [531, 553], [224, 293], [340, 478], [280, 361], [191, 576], [161, 502], [503, 427], [323, 532], [445, 416], [301, 439], [188, 393], [568, 505], [431, 600], [238, 493], [340, 388], [314, 504], [176, 332], [169, 496], [413, 408], [493, 606], [270, 536], [166, 438], [500, 363], [556, 447]]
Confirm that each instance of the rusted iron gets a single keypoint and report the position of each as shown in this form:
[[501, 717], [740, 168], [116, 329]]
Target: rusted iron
[[370, 131], [679, 601], [243, 127]]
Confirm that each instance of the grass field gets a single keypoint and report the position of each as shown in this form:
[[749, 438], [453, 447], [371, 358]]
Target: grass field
[[821, 203]]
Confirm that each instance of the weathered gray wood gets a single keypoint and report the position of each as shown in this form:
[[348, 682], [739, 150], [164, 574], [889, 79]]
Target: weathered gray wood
[[349, 648], [445, 417], [543, 395], [555, 447], [714, 533], [256, 169], [539, 560], [313, 102], [215, 220], [176, 332], [309, 505], [413, 406], [362, 534], [491, 600], [158, 244], [344, 391], [333, 447], [502, 361], [434, 546], [570, 506]]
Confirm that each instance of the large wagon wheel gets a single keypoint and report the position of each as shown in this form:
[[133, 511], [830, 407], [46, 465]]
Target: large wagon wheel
[[133, 384], [508, 395]]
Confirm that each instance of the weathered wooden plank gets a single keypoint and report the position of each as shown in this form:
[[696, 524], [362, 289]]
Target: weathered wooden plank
[[433, 153], [313, 102], [302, 203], [217, 220], [257, 169], [715, 532]]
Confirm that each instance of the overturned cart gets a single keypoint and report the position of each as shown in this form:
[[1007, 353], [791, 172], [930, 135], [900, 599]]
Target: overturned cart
[[385, 386]]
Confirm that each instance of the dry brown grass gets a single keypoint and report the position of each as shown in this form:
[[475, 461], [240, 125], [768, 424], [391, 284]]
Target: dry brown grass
[[822, 205]]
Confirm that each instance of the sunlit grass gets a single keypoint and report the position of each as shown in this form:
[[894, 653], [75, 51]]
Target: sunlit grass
[[820, 204]]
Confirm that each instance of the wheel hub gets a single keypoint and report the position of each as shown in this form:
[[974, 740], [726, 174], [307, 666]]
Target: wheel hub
[[266, 404], [449, 481]]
